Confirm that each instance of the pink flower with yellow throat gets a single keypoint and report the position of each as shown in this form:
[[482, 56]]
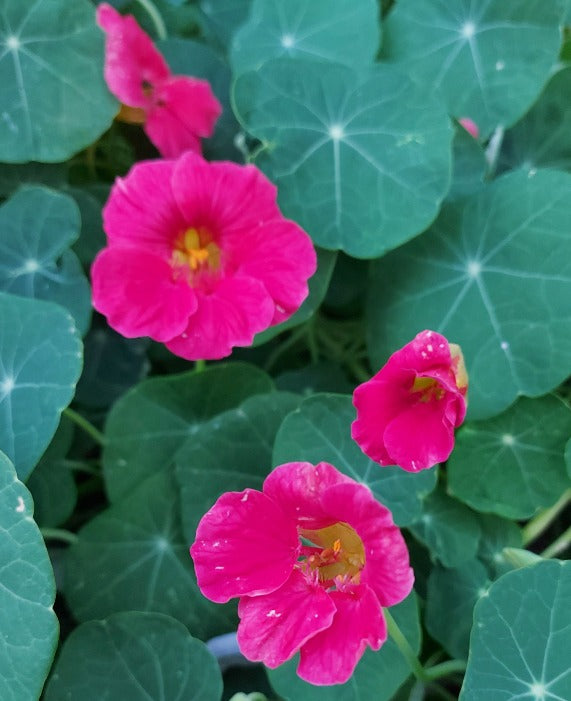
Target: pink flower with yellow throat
[[407, 412], [314, 558], [175, 111]]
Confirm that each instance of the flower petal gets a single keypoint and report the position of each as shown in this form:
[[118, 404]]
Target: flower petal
[[387, 570], [273, 627], [244, 545], [231, 315], [331, 656], [184, 109], [137, 293]]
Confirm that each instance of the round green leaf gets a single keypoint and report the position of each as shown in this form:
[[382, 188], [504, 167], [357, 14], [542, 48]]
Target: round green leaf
[[223, 17], [521, 637], [377, 676], [92, 238], [469, 167], [320, 430], [497, 534], [448, 529], [135, 656], [134, 556], [489, 60], [318, 29], [230, 452], [494, 275], [452, 594], [54, 100], [37, 226], [325, 376], [513, 464], [151, 422], [40, 362], [13, 177], [568, 457], [362, 162], [27, 592]]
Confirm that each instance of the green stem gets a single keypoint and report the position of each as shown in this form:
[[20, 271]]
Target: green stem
[[85, 425], [558, 545], [155, 16], [405, 649], [283, 347], [359, 371], [59, 534], [444, 669], [199, 366], [80, 466], [544, 518], [312, 341], [442, 692]]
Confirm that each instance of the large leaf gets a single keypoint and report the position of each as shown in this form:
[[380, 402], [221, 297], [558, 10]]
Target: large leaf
[[377, 676], [513, 464], [135, 656], [40, 362], [134, 556], [521, 637], [37, 226], [27, 591], [317, 29], [320, 430], [497, 534], [230, 452], [494, 275], [224, 17], [362, 162], [54, 100], [151, 422], [488, 59]]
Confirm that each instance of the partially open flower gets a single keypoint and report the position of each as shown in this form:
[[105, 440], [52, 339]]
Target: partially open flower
[[199, 256], [175, 111], [314, 558], [407, 412]]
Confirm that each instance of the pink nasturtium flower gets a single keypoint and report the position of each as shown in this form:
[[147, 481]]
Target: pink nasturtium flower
[[175, 111], [314, 558], [470, 126], [199, 256], [407, 412]]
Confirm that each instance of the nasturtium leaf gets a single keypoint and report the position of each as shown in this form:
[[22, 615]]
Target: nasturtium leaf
[[448, 529], [135, 656], [513, 464], [37, 226], [489, 60], [151, 422], [377, 676], [232, 451], [318, 285], [497, 533], [542, 138], [325, 376], [14, 176], [92, 238], [361, 160], [452, 594], [494, 275], [469, 165], [317, 29], [223, 17], [40, 362], [51, 483], [54, 100], [519, 648], [27, 592], [134, 556], [320, 430], [568, 457]]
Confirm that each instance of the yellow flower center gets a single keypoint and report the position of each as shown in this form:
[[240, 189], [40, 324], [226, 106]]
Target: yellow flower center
[[196, 249], [428, 388], [342, 552]]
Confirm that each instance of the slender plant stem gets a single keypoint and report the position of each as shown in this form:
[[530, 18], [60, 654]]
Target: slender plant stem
[[283, 347], [85, 425], [442, 692], [405, 649], [199, 366], [155, 16], [59, 534], [444, 669], [312, 341], [79, 466], [558, 545], [544, 518]]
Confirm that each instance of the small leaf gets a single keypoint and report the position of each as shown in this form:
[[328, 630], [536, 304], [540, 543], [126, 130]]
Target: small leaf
[[498, 534]]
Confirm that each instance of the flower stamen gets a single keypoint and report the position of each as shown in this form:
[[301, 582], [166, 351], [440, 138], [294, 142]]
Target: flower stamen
[[196, 249]]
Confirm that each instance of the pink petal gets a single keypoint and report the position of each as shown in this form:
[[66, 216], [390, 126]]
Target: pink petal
[[141, 209], [387, 570], [298, 487], [184, 109], [331, 656], [231, 315], [273, 627], [130, 57], [137, 293], [470, 126], [420, 437], [244, 545]]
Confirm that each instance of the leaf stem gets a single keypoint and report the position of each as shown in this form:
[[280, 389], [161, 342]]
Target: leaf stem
[[155, 15], [544, 518], [558, 545], [59, 534], [405, 649], [85, 425], [199, 366], [442, 692], [444, 669]]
